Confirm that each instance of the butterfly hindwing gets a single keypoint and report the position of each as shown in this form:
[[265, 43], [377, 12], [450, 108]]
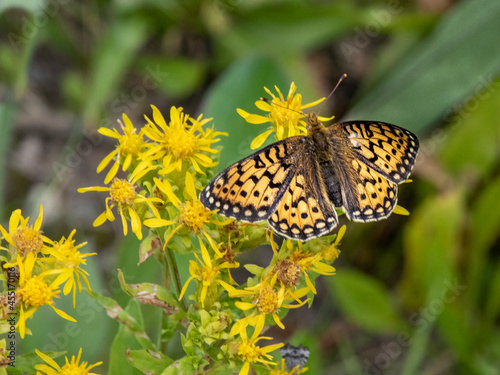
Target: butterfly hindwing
[[250, 189], [388, 149], [373, 196], [305, 211]]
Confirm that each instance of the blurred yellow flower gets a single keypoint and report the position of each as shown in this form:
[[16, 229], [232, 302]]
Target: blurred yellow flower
[[23, 238], [34, 292], [66, 260]]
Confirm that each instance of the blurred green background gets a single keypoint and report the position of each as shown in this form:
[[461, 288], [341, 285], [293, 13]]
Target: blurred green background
[[412, 295]]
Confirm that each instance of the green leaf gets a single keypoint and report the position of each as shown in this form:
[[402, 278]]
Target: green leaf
[[475, 128], [116, 50], [125, 340], [25, 363], [451, 63], [7, 120], [364, 301], [31, 6], [148, 362], [483, 234], [431, 246], [178, 77], [240, 87], [151, 294], [455, 328]]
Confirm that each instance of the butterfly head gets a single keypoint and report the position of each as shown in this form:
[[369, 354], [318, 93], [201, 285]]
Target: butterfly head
[[313, 123]]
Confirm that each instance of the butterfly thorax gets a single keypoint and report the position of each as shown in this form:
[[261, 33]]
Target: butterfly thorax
[[332, 154]]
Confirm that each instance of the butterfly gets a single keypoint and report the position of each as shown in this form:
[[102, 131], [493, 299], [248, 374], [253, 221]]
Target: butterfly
[[297, 183]]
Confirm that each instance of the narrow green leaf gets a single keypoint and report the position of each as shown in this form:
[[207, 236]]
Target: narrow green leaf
[[114, 54], [429, 80], [7, 120], [25, 363], [148, 362], [431, 246], [151, 294], [365, 301], [124, 341], [177, 77], [240, 87], [475, 128], [484, 232]]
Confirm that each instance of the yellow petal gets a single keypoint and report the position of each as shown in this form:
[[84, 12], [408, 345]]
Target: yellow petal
[[112, 173], [106, 160], [398, 210], [100, 219], [62, 314], [260, 139], [38, 222]]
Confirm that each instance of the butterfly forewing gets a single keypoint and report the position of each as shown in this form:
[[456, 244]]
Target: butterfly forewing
[[305, 211], [388, 149], [250, 189]]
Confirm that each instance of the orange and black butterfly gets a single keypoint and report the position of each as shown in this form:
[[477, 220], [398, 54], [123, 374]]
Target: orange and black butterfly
[[297, 183]]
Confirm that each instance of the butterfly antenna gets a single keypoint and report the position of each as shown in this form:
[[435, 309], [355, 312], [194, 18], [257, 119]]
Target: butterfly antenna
[[337, 85], [277, 104]]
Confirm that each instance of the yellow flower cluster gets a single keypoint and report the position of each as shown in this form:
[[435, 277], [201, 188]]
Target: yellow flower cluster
[[167, 163], [38, 268]]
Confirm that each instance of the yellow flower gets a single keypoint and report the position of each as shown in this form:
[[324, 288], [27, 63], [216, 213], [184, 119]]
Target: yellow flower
[[70, 368], [285, 115], [332, 252], [67, 260], [179, 144], [130, 144], [251, 353], [306, 261], [265, 300], [206, 275], [34, 292], [192, 214], [123, 195], [23, 238]]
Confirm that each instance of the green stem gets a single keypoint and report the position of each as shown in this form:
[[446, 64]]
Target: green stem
[[172, 273]]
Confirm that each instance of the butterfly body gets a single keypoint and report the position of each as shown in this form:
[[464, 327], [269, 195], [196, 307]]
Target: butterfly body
[[297, 183]]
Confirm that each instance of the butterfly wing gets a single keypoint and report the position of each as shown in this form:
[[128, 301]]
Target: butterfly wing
[[368, 196], [387, 149], [250, 189], [305, 210]]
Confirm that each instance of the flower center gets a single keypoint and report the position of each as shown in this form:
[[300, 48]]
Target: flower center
[[248, 352], [288, 273], [194, 215], [36, 293], [131, 144], [74, 369], [122, 192], [27, 240], [69, 255], [268, 301], [331, 254], [209, 274], [180, 143]]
